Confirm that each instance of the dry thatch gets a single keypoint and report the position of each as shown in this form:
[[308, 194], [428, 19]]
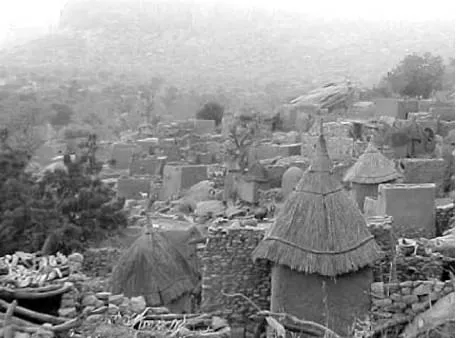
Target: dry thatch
[[320, 228], [372, 167], [154, 268]]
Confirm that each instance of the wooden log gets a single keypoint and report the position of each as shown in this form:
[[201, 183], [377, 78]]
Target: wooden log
[[45, 318], [8, 329], [380, 329], [67, 325], [295, 324], [41, 294], [173, 316], [440, 313], [16, 321]]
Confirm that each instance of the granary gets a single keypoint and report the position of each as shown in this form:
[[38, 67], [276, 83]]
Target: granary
[[321, 250], [154, 268], [371, 169]]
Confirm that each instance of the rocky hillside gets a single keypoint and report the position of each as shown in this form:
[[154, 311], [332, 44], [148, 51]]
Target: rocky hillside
[[207, 46]]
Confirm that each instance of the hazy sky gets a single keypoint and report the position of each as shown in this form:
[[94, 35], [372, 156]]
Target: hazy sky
[[34, 13]]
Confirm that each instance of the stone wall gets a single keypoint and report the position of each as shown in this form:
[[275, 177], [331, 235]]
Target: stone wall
[[397, 267], [393, 300], [424, 170], [228, 268], [443, 215], [100, 262]]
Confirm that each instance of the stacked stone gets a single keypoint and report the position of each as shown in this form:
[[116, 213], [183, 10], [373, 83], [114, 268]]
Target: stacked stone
[[270, 195], [416, 267], [443, 217], [228, 268], [100, 262], [381, 228], [69, 304], [95, 306], [394, 300]]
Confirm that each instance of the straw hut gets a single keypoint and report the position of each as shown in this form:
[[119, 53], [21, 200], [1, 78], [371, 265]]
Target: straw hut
[[154, 268], [321, 250], [371, 170]]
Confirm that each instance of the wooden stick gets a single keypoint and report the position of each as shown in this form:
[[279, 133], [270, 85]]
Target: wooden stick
[[67, 325], [17, 321], [172, 316], [8, 329], [303, 325], [390, 324], [33, 314]]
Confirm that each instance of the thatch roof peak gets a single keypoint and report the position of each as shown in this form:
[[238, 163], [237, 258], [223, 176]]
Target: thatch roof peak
[[320, 228], [321, 161], [372, 167]]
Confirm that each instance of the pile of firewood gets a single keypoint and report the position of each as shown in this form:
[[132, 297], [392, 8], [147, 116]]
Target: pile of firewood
[[25, 270]]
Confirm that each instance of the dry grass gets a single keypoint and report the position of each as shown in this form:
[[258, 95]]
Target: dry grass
[[372, 167], [154, 268]]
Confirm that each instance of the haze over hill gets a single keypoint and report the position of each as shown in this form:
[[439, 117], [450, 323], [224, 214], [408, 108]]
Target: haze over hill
[[204, 46]]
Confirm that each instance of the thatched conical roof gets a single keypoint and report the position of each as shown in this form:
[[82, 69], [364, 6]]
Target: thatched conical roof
[[320, 228], [154, 268], [372, 167]]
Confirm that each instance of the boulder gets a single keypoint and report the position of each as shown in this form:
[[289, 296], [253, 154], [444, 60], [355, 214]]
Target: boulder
[[209, 208], [138, 304]]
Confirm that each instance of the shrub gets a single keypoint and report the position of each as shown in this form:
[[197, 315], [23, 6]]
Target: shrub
[[211, 111]]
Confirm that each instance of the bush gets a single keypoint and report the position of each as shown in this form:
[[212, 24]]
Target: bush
[[76, 131], [211, 111], [73, 207]]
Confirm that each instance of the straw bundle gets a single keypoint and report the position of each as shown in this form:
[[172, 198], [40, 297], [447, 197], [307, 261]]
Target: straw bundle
[[372, 167], [155, 269], [320, 228]]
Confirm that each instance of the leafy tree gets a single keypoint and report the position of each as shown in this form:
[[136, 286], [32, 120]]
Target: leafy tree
[[449, 76], [62, 116], [211, 111], [72, 206], [417, 76]]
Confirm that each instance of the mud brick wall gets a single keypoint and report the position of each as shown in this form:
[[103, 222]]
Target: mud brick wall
[[100, 262], [424, 170], [394, 300], [443, 216], [229, 268]]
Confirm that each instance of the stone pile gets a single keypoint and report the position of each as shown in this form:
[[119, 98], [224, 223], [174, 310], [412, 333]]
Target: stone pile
[[443, 216], [96, 306], [419, 267], [100, 262], [394, 300]]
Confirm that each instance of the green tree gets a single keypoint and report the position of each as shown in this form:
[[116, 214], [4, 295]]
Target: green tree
[[73, 205], [211, 111], [417, 75], [62, 115]]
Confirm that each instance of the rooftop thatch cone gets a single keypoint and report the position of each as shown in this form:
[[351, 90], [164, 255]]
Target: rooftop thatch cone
[[154, 268], [372, 167], [320, 228]]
